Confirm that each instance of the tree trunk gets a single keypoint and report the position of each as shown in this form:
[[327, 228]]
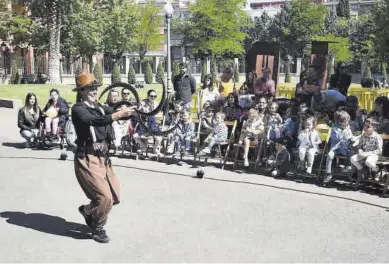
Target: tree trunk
[[288, 77], [90, 58], [54, 44]]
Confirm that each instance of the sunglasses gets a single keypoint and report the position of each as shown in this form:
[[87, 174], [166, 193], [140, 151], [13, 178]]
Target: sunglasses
[[126, 93], [153, 96]]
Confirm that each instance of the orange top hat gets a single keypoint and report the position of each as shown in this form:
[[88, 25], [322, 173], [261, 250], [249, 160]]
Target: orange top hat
[[86, 80]]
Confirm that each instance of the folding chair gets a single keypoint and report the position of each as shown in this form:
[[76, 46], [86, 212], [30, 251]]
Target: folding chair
[[322, 152]]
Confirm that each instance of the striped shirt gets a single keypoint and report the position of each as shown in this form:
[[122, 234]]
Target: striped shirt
[[221, 131]]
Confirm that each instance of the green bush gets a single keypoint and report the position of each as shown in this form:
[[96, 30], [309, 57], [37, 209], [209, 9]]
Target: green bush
[[148, 74], [98, 72], [116, 75], [131, 75], [15, 77], [160, 75]]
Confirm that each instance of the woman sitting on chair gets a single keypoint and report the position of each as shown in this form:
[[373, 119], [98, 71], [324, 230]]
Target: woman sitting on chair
[[54, 112], [28, 118]]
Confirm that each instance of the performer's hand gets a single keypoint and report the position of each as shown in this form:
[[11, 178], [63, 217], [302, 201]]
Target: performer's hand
[[128, 111]]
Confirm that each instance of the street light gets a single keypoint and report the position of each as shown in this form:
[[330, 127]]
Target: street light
[[3, 50], [168, 8]]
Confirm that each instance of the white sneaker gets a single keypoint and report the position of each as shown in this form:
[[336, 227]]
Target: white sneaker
[[246, 163], [206, 151]]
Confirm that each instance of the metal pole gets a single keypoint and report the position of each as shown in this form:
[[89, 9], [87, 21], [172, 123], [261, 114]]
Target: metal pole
[[169, 66]]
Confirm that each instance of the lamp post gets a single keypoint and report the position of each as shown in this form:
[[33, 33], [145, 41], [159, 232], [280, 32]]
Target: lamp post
[[3, 50], [168, 8]]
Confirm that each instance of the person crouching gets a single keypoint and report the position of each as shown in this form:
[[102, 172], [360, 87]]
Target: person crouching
[[281, 164]]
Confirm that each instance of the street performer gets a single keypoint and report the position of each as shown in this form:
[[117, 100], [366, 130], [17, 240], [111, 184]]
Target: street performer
[[92, 122]]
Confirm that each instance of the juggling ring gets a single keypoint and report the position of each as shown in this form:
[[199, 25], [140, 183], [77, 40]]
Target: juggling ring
[[141, 114]]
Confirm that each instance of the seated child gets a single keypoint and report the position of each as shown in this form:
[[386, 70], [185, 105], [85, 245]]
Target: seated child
[[357, 116], [183, 135], [293, 108], [304, 114], [141, 138], [341, 136], [323, 121], [290, 129], [281, 165], [218, 134], [173, 115], [207, 120], [230, 108], [308, 144], [321, 116], [201, 110], [273, 122], [369, 147], [252, 129]]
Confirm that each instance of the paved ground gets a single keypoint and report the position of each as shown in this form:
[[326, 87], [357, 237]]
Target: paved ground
[[168, 216]]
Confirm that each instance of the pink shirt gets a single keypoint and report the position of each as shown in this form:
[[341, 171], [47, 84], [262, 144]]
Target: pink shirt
[[265, 87]]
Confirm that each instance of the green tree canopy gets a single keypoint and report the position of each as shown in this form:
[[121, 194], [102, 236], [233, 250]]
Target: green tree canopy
[[343, 9], [380, 19], [148, 28], [362, 38], [215, 26], [86, 27], [119, 28], [259, 31]]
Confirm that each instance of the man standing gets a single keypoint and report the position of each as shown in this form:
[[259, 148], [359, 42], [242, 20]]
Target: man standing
[[341, 80], [184, 85], [309, 85], [92, 123]]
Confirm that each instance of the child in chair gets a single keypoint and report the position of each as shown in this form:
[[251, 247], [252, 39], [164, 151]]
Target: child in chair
[[369, 147], [141, 138], [218, 134], [281, 165], [290, 129], [273, 122], [357, 116], [183, 135], [341, 136], [252, 129], [207, 119], [308, 144]]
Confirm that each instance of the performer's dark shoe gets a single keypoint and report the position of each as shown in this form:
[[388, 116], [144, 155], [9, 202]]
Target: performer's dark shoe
[[88, 218], [99, 235]]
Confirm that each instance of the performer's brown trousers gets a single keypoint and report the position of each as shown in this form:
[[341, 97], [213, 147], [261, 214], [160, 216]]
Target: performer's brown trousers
[[100, 185]]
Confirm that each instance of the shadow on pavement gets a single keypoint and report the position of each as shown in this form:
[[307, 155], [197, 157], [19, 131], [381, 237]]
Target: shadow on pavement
[[19, 145], [49, 224]]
